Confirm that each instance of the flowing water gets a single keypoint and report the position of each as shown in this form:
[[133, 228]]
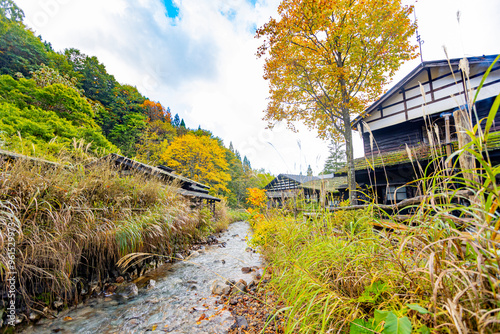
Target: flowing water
[[180, 302]]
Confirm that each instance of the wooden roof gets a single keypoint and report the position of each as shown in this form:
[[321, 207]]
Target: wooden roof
[[16, 156], [442, 88], [189, 188], [330, 184]]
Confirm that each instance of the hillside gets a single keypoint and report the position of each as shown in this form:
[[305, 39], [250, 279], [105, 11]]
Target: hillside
[[55, 102]]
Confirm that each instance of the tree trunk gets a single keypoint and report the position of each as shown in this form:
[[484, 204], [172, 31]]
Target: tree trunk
[[351, 175]]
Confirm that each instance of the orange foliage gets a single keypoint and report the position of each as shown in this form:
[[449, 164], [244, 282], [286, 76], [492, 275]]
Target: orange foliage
[[155, 111]]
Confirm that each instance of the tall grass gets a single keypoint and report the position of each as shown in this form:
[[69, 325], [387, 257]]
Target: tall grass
[[437, 273], [78, 222]]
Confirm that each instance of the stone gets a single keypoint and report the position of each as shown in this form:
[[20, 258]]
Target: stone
[[246, 270], [253, 283], [257, 275], [220, 288], [109, 289], [119, 279], [241, 285], [241, 322], [194, 254], [151, 284], [34, 316], [127, 290], [178, 256], [248, 249], [57, 303]]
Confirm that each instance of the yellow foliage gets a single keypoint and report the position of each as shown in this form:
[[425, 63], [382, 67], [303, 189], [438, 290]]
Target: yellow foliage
[[200, 158], [256, 198]]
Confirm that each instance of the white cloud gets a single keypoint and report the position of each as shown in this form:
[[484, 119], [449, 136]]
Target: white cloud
[[202, 64]]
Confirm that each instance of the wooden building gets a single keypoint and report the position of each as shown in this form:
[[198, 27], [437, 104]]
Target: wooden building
[[323, 188], [195, 191], [425, 99]]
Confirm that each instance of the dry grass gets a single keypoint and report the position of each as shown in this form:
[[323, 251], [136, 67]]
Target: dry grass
[[77, 222]]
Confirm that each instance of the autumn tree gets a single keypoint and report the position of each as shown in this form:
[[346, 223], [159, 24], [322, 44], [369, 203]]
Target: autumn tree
[[327, 59], [155, 111], [200, 158]]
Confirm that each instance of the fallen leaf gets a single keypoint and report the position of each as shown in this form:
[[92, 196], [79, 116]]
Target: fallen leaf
[[154, 327], [67, 318]]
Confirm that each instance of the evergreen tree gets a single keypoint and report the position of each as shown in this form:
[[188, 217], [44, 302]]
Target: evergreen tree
[[246, 164], [309, 171], [183, 125], [177, 121], [336, 159]]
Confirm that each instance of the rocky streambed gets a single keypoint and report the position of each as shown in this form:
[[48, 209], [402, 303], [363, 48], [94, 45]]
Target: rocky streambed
[[179, 298]]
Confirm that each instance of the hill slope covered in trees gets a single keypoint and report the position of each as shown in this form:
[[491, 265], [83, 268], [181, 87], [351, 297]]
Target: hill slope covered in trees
[[53, 103]]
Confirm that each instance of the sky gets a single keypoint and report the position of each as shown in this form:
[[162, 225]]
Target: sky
[[198, 58]]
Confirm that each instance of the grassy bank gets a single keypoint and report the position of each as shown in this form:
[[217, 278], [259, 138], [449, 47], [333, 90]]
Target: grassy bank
[[337, 274], [439, 271], [73, 224]]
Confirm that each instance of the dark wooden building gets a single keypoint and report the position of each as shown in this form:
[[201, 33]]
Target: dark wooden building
[[425, 100], [323, 188]]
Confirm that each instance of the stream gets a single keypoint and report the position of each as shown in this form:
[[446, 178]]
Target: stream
[[180, 301]]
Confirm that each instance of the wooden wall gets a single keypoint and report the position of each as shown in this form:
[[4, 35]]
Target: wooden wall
[[394, 138]]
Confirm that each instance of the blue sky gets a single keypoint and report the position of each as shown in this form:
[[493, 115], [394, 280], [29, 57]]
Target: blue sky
[[198, 58], [172, 9]]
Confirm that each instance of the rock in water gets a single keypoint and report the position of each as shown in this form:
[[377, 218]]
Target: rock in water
[[246, 270], [151, 284], [258, 274], [220, 288], [127, 290], [241, 285]]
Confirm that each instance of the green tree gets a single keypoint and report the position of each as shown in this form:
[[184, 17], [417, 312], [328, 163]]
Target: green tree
[[336, 159], [327, 59], [176, 121], [309, 171], [20, 50], [11, 11]]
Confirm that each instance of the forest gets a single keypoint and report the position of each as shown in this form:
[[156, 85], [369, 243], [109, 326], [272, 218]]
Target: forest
[[54, 102]]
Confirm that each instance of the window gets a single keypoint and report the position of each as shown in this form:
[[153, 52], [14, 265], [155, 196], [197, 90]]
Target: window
[[396, 194]]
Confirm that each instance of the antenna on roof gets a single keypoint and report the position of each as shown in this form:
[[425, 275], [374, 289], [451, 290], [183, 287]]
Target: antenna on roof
[[419, 39]]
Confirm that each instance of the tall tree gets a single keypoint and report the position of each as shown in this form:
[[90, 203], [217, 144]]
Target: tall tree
[[336, 159], [177, 121], [309, 171], [200, 158], [11, 11], [327, 59]]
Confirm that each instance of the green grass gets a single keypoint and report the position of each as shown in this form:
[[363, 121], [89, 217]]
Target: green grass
[[439, 274]]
